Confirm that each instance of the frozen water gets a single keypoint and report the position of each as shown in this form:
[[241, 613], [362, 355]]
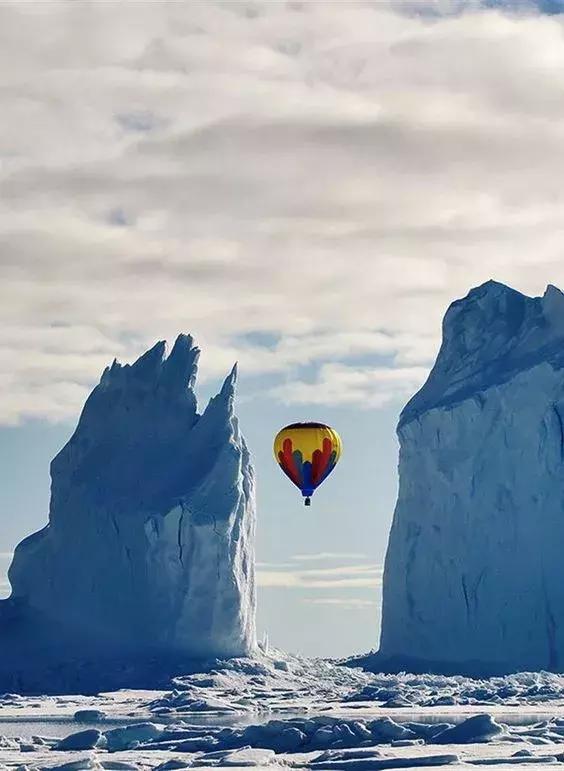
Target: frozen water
[[474, 577], [81, 740], [327, 717], [148, 554], [480, 728]]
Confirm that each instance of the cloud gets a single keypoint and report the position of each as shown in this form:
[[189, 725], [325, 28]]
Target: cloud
[[330, 174], [338, 577], [297, 575], [359, 386], [342, 603], [326, 555]]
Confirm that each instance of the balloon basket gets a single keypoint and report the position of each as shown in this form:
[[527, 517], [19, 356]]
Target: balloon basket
[[307, 501]]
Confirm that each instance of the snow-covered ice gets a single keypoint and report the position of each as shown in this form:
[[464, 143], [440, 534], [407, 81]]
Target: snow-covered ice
[[474, 575], [311, 714], [149, 551]]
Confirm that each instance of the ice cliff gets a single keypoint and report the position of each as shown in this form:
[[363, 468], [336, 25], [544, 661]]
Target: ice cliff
[[474, 572], [149, 545]]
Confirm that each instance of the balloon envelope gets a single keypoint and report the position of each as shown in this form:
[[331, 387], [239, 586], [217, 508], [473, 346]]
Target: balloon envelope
[[307, 453]]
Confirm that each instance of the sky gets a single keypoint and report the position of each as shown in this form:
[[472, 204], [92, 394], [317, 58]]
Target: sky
[[302, 185]]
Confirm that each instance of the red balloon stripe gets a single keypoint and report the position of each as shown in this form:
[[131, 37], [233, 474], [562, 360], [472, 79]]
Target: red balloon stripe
[[287, 463], [321, 460]]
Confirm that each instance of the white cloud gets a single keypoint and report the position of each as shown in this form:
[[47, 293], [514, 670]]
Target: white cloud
[[330, 173], [359, 386], [327, 555], [342, 603], [338, 577]]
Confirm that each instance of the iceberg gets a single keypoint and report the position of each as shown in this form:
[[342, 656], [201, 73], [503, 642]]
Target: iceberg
[[149, 549], [474, 574]]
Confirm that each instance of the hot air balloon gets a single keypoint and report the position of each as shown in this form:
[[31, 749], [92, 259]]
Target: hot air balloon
[[307, 453]]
